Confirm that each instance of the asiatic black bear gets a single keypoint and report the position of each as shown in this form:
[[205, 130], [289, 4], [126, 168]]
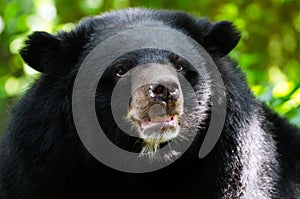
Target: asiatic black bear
[[42, 156]]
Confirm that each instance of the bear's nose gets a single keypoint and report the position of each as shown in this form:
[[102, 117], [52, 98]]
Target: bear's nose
[[164, 93]]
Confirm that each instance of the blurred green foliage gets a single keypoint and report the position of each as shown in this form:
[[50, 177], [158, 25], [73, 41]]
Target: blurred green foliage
[[268, 53]]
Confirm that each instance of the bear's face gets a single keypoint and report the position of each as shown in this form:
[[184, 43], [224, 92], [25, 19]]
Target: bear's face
[[155, 109], [156, 106]]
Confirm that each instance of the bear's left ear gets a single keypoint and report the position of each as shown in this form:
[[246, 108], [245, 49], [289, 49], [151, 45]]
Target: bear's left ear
[[221, 38]]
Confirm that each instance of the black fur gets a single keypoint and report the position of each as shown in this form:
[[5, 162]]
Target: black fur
[[257, 155]]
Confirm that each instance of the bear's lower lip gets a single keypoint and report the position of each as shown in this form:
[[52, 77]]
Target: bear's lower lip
[[161, 122]]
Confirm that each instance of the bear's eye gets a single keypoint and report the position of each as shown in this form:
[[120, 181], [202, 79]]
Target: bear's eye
[[179, 67], [175, 59], [121, 71]]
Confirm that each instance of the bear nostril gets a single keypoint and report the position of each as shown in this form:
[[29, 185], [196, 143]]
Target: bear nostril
[[173, 91], [174, 95], [158, 91], [162, 94]]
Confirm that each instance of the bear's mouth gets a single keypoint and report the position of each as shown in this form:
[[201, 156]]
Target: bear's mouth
[[159, 122], [158, 130]]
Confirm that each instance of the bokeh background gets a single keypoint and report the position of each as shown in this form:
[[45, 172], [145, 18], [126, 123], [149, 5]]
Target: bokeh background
[[268, 52]]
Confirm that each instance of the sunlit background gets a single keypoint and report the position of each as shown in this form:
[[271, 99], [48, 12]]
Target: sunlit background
[[268, 52]]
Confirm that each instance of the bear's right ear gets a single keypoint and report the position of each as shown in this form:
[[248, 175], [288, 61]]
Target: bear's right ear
[[221, 38], [40, 49]]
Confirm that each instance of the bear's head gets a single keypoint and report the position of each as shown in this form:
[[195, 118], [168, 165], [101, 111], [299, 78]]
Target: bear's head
[[156, 110]]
